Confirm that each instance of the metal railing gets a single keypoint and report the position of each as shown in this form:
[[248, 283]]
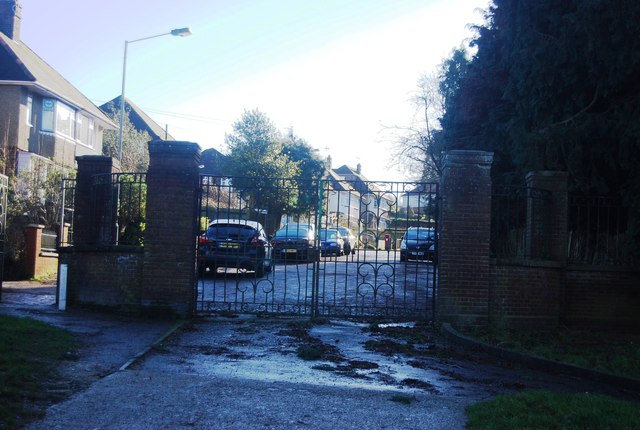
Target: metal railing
[[118, 208], [65, 232], [598, 230], [520, 222], [49, 241]]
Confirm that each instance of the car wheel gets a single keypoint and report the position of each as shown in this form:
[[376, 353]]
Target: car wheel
[[403, 258]]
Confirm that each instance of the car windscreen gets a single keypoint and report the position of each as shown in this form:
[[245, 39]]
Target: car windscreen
[[231, 231], [328, 235], [419, 234], [292, 232], [344, 232]]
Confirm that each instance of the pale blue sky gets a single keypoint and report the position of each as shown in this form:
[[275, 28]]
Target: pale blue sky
[[336, 71]]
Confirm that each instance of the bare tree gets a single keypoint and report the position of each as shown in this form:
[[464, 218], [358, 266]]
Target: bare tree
[[416, 148]]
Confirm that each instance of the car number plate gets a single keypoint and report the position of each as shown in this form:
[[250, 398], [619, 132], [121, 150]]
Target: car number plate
[[227, 245], [290, 251]]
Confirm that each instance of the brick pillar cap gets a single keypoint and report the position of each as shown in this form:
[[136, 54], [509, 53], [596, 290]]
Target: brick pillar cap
[[174, 147], [467, 157], [547, 174], [35, 226]]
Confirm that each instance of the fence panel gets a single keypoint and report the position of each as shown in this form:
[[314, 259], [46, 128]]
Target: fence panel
[[520, 222], [118, 206], [597, 230]]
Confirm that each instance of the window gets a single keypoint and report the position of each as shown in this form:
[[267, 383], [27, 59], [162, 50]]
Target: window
[[48, 114], [84, 130], [29, 110], [65, 120], [58, 117]]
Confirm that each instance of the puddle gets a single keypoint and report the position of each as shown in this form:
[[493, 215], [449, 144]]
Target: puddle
[[261, 350]]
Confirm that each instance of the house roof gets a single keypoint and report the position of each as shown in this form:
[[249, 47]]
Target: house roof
[[19, 65], [138, 118], [338, 183], [213, 162]]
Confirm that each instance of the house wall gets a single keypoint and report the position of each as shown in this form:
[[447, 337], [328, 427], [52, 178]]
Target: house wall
[[10, 130], [61, 150]]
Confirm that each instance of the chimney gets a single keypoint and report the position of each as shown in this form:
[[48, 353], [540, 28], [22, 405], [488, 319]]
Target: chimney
[[10, 18], [359, 168]]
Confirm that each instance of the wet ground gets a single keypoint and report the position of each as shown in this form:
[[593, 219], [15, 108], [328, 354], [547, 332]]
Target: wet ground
[[400, 358], [253, 372]]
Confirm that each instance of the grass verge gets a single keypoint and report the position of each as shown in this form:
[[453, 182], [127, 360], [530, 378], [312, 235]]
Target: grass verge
[[549, 410], [29, 352], [615, 353]]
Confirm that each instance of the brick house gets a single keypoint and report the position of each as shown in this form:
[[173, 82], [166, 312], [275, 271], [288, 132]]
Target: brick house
[[42, 116]]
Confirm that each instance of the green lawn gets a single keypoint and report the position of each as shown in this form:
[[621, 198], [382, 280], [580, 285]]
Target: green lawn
[[548, 410], [29, 352], [612, 352]]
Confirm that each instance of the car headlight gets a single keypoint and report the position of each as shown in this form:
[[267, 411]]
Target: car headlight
[[403, 245]]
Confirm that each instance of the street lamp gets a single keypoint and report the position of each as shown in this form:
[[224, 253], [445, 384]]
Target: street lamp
[[182, 32]]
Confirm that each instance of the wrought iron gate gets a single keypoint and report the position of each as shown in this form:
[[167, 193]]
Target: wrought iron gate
[[330, 247]]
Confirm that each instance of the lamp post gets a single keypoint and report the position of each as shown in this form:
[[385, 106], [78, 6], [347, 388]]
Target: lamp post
[[182, 32]]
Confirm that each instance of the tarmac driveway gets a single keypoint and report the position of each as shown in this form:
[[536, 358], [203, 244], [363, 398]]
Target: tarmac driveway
[[248, 372]]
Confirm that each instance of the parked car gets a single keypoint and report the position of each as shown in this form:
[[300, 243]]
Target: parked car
[[418, 243], [350, 242], [331, 242], [294, 242], [235, 243]]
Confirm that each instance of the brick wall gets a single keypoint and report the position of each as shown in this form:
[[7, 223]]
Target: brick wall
[[38, 264], [103, 276], [525, 294], [602, 296]]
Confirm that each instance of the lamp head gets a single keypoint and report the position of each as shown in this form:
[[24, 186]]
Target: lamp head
[[182, 32]]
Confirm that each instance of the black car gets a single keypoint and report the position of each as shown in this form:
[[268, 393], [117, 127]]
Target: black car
[[418, 243], [235, 243], [294, 242]]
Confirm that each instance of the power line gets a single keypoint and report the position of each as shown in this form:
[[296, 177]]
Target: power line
[[179, 115]]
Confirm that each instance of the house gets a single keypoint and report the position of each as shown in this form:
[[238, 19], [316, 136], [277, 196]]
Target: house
[[375, 206], [43, 118], [343, 202], [419, 201], [139, 119]]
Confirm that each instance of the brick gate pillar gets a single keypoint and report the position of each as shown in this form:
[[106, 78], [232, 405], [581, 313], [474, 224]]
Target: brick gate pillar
[[168, 275], [465, 229], [86, 220]]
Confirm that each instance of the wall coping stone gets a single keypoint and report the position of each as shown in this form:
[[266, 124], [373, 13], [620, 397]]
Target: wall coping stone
[[576, 267], [547, 174], [124, 249], [546, 264], [174, 147], [459, 157]]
